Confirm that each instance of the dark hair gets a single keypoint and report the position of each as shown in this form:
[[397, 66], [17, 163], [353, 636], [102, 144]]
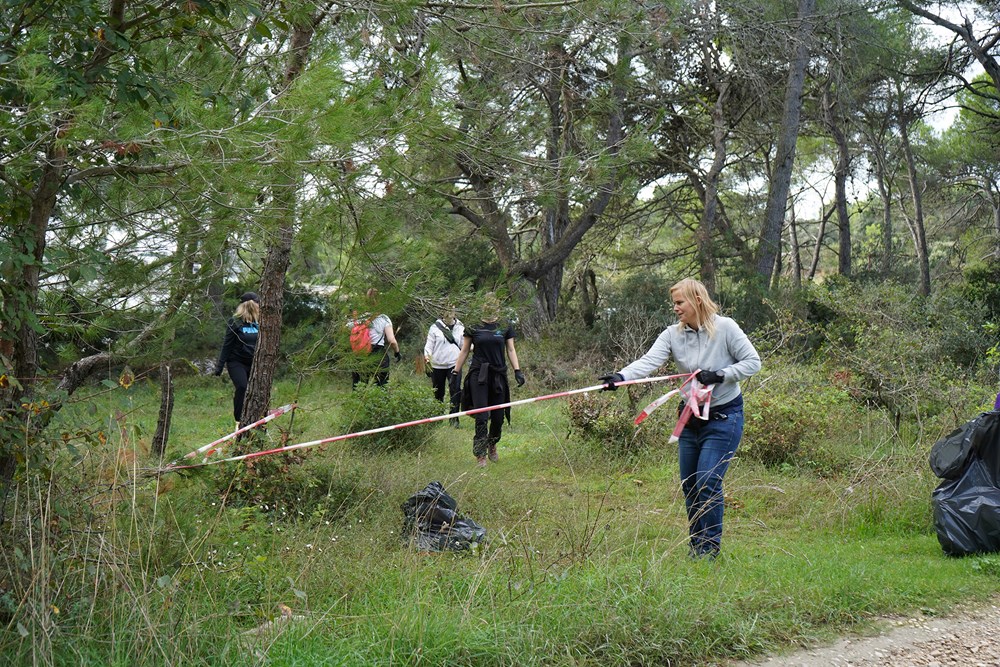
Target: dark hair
[[249, 296]]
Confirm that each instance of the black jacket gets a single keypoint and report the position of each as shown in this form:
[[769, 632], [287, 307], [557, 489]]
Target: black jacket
[[239, 344]]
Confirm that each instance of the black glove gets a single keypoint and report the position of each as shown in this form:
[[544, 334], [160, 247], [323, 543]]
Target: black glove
[[398, 355], [218, 369], [519, 376], [610, 380], [710, 377]]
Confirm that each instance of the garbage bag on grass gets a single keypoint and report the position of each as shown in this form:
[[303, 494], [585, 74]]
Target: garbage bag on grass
[[431, 522], [967, 503]]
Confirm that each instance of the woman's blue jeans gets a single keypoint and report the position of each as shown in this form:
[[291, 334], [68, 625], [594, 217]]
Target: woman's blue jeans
[[706, 449]]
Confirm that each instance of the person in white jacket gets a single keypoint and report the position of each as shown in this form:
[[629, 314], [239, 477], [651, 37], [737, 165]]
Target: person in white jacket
[[703, 341], [444, 341]]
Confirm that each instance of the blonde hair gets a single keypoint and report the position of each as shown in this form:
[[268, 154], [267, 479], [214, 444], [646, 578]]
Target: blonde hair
[[695, 292], [491, 307], [248, 311]]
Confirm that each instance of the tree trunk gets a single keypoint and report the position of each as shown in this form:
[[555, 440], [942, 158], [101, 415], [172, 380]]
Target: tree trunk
[[720, 82], [885, 196], [158, 446], [778, 268], [777, 197], [19, 299], [706, 254], [587, 284], [994, 199], [796, 258], [814, 266], [272, 294], [548, 288], [840, 173], [916, 223], [279, 249]]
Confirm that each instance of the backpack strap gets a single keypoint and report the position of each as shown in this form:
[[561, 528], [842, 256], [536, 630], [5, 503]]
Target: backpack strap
[[449, 336]]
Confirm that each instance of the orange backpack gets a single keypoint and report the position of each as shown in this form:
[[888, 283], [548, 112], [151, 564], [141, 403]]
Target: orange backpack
[[361, 337]]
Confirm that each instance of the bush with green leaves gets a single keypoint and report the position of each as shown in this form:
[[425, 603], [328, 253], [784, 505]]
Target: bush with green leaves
[[631, 315], [294, 487], [790, 416], [917, 358], [607, 423], [403, 399]]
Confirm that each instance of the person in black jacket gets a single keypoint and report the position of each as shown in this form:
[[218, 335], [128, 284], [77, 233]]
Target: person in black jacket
[[486, 384], [238, 347]]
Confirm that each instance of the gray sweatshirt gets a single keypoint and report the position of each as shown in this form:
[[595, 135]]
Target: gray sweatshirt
[[729, 351]]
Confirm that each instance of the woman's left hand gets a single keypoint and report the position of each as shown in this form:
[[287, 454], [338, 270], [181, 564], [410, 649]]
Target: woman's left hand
[[711, 377]]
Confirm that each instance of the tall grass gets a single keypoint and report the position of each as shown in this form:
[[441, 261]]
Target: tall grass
[[585, 565]]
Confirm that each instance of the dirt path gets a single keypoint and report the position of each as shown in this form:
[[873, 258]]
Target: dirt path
[[966, 639]]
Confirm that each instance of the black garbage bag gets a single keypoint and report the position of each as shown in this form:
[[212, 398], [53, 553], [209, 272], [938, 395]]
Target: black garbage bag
[[967, 503], [431, 522]]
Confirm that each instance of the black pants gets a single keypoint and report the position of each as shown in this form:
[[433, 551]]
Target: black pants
[[489, 429], [494, 391], [443, 377], [239, 373], [382, 375]]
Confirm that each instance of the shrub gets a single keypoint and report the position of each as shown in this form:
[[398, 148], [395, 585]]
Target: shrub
[[904, 353], [551, 364], [790, 414], [607, 424], [779, 429], [402, 400]]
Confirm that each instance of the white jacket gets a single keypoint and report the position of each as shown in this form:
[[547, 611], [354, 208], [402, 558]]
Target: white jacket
[[443, 354]]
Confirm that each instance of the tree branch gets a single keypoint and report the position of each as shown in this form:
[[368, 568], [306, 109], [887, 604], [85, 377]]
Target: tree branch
[[124, 170]]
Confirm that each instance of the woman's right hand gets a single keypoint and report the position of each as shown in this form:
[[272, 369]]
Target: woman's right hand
[[610, 379]]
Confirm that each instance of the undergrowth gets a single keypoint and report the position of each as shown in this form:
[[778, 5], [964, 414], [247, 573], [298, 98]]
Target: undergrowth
[[828, 525]]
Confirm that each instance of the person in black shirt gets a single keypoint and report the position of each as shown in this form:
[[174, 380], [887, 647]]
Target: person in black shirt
[[238, 347], [486, 384]]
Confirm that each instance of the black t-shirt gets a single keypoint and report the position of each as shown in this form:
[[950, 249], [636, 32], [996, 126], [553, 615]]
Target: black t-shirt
[[489, 341]]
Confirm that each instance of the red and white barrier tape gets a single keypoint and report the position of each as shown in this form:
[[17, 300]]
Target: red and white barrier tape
[[313, 443], [215, 445], [697, 403]]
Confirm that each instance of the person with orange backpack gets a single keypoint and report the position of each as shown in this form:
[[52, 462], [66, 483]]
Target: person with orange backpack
[[370, 335]]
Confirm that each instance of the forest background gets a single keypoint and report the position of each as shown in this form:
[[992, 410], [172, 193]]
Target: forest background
[[576, 157]]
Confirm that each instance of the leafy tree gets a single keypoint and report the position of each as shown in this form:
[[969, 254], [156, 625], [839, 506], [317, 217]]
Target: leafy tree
[[972, 151], [979, 28], [532, 149], [79, 81]]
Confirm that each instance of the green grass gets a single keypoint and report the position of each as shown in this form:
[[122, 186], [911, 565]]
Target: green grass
[[586, 561]]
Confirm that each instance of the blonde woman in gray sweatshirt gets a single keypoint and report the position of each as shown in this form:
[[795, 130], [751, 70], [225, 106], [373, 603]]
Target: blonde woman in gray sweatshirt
[[702, 340]]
